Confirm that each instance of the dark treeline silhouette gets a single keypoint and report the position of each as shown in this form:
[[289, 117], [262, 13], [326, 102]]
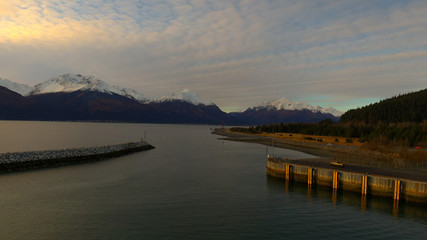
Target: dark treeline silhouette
[[410, 107], [403, 134], [400, 120]]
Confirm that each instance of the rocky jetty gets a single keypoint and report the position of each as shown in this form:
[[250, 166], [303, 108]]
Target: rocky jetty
[[18, 161]]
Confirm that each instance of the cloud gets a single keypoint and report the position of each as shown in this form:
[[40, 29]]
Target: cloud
[[234, 53], [7, 9]]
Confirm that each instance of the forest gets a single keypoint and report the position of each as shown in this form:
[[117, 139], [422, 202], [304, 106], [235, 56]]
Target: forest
[[411, 107]]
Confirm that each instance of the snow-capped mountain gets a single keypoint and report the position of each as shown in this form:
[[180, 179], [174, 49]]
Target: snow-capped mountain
[[76, 82], [286, 104], [333, 111], [22, 89], [72, 97], [283, 110], [133, 94], [78, 97], [185, 95]]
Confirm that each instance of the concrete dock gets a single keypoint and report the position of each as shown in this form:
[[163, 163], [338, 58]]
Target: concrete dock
[[349, 179], [18, 161]]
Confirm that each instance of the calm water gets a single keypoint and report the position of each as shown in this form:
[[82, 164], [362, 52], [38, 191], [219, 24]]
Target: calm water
[[192, 186]]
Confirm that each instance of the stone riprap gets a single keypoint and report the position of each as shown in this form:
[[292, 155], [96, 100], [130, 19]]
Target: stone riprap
[[48, 158]]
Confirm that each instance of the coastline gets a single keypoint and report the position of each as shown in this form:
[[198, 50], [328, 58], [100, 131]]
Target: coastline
[[313, 148], [351, 156], [22, 161]]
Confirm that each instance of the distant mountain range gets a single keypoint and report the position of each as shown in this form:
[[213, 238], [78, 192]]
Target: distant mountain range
[[283, 110], [286, 104], [74, 97]]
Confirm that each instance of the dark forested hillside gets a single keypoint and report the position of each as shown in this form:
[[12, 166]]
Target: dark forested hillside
[[411, 107]]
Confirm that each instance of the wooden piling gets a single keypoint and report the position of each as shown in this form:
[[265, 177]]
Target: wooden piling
[[310, 176], [288, 172], [335, 180], [396, 190], [364, 185]]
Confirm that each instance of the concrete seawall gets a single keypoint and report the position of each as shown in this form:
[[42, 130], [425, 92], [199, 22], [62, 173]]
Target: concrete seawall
[[19, 161], [396, 188]]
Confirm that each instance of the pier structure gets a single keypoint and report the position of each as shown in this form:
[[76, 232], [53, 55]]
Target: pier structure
[[18, 161], [341, 179]]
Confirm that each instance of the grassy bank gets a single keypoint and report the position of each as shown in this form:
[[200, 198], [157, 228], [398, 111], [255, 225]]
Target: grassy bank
[[336, 148]]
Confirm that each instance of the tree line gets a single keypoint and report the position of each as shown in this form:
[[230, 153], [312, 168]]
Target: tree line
[[402, 134], [410, 107]]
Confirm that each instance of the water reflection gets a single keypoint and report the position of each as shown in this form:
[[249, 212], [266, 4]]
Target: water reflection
[[363, 202], [395, 208], [334, 196], [309, 191]]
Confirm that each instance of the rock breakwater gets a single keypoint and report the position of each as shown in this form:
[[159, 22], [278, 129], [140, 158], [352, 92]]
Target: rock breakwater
[[18, 161]]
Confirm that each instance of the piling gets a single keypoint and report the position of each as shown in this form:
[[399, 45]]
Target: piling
[[288, 171], [396, 193], [364, 184], [335, 180], [310, 176]]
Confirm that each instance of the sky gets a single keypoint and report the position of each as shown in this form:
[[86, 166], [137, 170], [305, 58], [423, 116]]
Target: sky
[[235, 53]]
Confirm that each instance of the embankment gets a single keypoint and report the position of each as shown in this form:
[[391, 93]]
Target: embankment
[[338, 178], [19, 161]]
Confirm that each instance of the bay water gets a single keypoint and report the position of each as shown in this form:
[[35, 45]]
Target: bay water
[[191, 186]]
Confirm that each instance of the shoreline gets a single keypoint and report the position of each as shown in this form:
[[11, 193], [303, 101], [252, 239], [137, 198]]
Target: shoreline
[[23, 161], [313, 148], [351, 156]]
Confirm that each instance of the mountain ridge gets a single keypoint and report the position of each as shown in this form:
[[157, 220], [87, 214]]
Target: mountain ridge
[[285, 104], [22, 89], [185, 95], [283, 110], [75, 82], [90, 98]]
